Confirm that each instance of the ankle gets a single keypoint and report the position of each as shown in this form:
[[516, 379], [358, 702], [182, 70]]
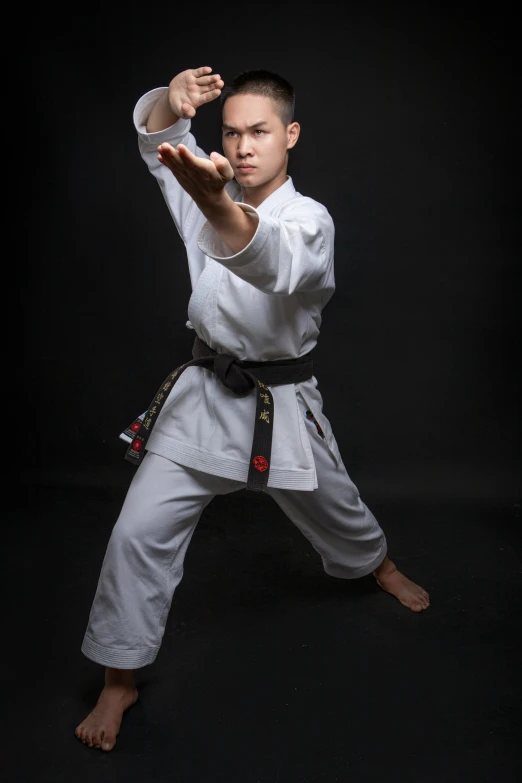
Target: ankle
[[123, 677], [386, 568]]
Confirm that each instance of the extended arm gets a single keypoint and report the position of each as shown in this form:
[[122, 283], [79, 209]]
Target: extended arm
[[288, 253]]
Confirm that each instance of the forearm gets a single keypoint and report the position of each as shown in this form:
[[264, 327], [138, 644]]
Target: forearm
[[234, 226], [161, 115]]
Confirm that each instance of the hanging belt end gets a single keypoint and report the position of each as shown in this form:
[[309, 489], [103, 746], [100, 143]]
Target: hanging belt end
[[135, 451]]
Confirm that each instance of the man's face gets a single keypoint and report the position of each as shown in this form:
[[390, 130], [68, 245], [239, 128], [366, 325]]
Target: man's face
[[255, 141]]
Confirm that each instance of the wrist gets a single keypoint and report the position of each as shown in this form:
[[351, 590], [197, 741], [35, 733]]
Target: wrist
[[161, 115], [217, 205]]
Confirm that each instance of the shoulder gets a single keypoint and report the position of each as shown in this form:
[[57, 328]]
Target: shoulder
[[306, 208]]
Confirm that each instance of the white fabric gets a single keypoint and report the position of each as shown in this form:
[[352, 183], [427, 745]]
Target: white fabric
[[144, 560], [263, 303]]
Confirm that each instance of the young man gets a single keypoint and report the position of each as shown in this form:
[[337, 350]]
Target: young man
[[246, 411]]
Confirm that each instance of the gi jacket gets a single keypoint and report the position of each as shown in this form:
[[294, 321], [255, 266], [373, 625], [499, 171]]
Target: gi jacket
[[260, 304]]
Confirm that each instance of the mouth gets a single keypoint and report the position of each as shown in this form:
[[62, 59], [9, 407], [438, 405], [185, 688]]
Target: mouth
[[246, 168]]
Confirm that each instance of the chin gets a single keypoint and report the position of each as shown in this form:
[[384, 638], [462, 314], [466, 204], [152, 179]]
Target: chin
[[250, 180]]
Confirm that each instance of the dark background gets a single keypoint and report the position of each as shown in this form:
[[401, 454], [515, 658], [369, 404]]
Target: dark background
[[270, 671], [408, 137]]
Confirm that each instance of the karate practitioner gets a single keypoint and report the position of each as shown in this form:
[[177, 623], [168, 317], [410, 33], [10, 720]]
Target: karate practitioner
[[261, 266]]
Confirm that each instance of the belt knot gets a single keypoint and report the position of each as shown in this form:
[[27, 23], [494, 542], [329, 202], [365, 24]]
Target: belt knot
[[231, 375]]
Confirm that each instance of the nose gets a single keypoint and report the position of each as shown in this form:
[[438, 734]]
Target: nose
[[244, 146]]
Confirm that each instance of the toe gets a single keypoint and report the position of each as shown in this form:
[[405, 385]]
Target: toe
[[108, 742], [97, 737]]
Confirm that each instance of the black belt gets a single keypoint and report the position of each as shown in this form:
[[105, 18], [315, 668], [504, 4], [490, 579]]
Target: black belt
[[240, 377]]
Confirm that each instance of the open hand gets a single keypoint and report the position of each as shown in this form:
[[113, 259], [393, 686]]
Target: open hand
[[203, 179], [192, 88]]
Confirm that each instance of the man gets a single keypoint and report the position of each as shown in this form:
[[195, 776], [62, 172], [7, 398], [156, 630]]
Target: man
[[261, 266]]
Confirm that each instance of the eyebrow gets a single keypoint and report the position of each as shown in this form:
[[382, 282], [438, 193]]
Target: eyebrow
[[255, 125]]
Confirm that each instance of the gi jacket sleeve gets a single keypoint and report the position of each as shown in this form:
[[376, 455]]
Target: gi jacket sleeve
[[182, 207], [292, 252]]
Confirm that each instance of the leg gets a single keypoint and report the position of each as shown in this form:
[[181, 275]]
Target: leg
[[343, 530], [333, 518], [141, 569]]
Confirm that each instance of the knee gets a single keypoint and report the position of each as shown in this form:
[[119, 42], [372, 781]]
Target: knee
[[351, 503], [129, 531]]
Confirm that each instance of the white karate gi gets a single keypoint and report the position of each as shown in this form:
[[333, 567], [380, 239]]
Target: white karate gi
[[263, 303]]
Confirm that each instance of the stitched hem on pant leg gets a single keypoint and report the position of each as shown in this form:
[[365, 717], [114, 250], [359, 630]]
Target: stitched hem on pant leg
[[355, 573], [118, 659]]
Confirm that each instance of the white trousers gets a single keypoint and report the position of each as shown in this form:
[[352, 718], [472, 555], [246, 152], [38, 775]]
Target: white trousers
[[143, 563]]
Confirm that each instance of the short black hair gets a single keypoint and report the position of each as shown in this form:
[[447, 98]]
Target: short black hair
[[262, 82]]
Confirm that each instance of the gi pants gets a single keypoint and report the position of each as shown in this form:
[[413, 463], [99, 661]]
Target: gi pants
[[143, 563]]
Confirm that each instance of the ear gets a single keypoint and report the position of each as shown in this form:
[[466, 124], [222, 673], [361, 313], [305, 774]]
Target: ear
[[293, 131]]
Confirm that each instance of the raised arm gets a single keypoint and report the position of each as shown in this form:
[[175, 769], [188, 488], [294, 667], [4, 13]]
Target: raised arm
[[161, 116], [202, 177], [187, 91]]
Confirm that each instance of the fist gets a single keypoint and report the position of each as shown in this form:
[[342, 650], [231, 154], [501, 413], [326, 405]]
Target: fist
[[192, 88]]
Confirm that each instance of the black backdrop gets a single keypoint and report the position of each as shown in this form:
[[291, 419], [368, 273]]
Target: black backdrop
[[408, 137]]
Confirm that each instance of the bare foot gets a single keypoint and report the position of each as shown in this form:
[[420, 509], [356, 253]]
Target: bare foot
[[410, 594], [101, 727]]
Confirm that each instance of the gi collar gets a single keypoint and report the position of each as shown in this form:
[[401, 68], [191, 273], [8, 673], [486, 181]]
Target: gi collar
[[283, 193]]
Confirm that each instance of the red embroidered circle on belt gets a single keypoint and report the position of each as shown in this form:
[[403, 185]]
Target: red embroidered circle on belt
[[260, 464], [135, 427], [136, 445]]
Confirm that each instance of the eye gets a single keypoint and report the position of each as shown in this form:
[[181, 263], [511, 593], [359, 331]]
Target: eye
[[258, 130], [229, 133]]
